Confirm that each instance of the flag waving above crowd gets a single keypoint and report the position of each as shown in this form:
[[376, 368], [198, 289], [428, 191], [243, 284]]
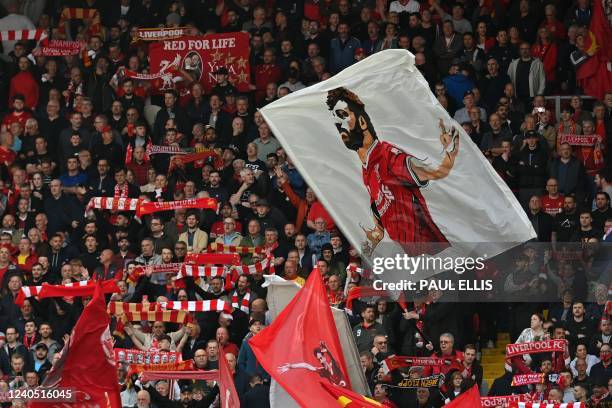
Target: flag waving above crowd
[[396, 168]]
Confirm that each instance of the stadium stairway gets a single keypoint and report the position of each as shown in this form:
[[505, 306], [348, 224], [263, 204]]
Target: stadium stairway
[[492, 359]]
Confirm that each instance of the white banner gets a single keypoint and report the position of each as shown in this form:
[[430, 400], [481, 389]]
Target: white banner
[[392, 167]]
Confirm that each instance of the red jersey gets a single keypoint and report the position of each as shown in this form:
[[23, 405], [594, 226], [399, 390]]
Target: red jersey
[[552, 206], [396, 198], [20, 117]]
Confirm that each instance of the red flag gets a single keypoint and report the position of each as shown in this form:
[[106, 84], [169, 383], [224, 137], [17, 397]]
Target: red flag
[[87, 364], [301, 347], [595, 75], [469, 399], [350, 399], [227, 388]]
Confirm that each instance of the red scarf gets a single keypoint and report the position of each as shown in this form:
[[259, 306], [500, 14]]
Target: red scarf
[[121, 192], [244, 304], [28, 342]]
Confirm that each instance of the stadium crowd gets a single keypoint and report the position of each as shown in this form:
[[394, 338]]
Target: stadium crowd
[[72, 129]]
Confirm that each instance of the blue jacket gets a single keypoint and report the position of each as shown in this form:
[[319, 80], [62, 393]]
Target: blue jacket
[[342, 55]]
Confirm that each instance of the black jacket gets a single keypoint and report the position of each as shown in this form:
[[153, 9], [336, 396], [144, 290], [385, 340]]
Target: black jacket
[[257, 397], [531, 167]]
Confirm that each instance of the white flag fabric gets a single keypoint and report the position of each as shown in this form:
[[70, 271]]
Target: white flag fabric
[[392, 167]]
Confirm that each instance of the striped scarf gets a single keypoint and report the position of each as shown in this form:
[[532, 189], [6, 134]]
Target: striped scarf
[[76, 289], [199, 271], [169, 316], [215, 305], [19, 35], [258, 267], [112, 203], [244, 303], [364, 273], [93, 28], [545, 404], [163, 268]]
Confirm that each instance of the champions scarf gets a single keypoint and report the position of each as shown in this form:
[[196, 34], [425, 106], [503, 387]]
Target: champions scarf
[[94, 27], [200, 203], [392, 363], [199, 271], [544, 346], [146, 357], [81, 288], [139, 271], [159, 34], [217, 247], [58, 48], [536, 378], [212, 259], [503, 401], [425, 382], [244, 303], [545, 404], [19, 35], [214, 305], [211, 375], [178, 366]]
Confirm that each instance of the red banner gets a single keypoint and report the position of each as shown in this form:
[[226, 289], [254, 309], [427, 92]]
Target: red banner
[[140, 368], [227, 388], [86, 362], [578, 140], [313, 355], [544, 346], [201, 56], [58, 48], [133, 356]]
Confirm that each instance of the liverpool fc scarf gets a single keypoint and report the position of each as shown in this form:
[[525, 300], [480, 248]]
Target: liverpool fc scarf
[[244, 303], [544, 404], [544, 346], [169, 316], [179, 161], [258, 267], [364, 273], [156, 149], [424, 382], [392, 363], [146, 357], [112, 203], [503, 401], [159, 34], [139, 271], [536, 378]]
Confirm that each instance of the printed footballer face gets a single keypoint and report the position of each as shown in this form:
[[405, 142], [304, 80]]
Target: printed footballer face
[[344, 120]]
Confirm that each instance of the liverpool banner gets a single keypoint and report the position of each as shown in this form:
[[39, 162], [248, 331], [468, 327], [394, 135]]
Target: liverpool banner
[[202, 56], [397, 169]]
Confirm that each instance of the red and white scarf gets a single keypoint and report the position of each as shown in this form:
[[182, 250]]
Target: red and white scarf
[[215, 305], [155, 206], [113, 204], [544, 404], [81, 288], [122, 191], [139, 271], [365, 273], [544, 346], [503, 401], [536, 378], [258, 267], [244, 304], [19, 35], [159, 34], [93, 28], [213, 259], [393, 363], [200, 271], [157, 149]]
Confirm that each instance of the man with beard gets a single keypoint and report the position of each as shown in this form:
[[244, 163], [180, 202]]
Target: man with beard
[[567, 221], [393, 177]]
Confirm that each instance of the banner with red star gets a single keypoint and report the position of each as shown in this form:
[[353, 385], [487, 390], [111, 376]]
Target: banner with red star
[[198, 58]]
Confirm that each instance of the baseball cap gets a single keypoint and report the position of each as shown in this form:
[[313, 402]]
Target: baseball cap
[[530, 134], [262, 202]]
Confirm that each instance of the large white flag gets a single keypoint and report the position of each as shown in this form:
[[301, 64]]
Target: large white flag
[[392, 167]]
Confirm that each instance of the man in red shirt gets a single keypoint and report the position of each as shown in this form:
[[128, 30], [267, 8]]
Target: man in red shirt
[[265, 73], [19, 113], [552, 203], [393, 177]]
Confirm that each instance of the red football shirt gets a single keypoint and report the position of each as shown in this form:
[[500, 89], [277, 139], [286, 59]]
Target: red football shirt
[[395, 194], [552, 206]]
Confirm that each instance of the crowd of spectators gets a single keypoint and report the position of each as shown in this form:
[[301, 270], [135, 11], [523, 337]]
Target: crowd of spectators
[[71, 129]]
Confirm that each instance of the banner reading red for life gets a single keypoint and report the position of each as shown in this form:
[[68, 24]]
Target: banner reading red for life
[[201, 56]]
